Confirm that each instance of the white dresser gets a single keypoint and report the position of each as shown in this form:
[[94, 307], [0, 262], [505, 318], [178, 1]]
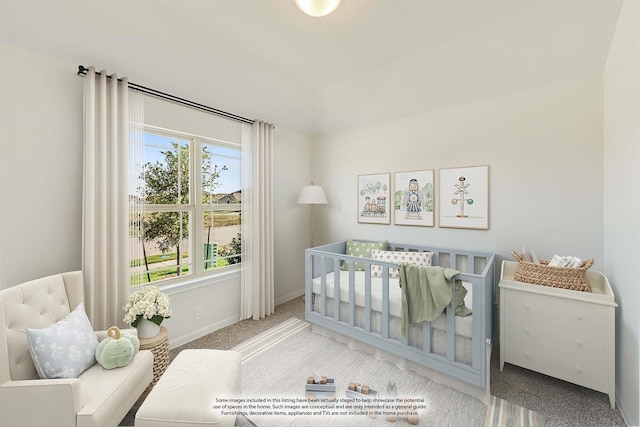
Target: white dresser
[[566, 334]]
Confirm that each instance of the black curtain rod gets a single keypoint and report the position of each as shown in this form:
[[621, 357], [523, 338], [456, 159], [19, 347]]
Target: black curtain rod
[[82, 71]]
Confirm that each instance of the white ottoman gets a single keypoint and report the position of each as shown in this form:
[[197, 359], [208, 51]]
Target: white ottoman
[[186, 392]]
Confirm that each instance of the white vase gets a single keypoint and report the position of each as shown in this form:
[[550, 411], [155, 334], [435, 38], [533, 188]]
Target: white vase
[[147, 329]]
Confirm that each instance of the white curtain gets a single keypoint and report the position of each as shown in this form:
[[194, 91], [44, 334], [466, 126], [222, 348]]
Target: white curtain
[[257, 290], [106, 202]]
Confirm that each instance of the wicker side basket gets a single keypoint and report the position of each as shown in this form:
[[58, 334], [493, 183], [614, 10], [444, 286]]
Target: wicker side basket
[[574, 279], [159, 346]]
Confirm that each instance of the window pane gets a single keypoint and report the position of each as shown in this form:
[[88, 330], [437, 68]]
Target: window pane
[[221, 185], [161, 244], [221, 174], [162, 238], [164, 178], [222, 244]]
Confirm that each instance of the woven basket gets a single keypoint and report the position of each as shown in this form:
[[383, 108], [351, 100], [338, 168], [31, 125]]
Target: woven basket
[[159, 346], [574, 279]]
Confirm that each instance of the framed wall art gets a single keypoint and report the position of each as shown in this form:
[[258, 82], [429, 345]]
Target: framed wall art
[[464, 197], [373, 199], [413, 198]]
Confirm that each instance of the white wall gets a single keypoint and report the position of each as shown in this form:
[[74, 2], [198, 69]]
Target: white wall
[[168, 115], [217, 298], [292, 171], [544, 151], [41, 154], [621, 204]]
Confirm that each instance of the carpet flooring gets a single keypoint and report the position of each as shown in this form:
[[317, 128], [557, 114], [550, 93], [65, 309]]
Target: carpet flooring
[[293, 344], [559, 403]]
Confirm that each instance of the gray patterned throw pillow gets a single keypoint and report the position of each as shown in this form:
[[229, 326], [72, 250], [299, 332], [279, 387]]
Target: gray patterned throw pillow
[[64, 349], [419, 258]]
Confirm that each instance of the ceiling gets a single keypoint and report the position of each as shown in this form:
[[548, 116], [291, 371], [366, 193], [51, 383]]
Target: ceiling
[[369, 61]]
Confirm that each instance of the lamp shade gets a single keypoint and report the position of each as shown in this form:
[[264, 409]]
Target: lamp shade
[[312, 195], [317, 8]]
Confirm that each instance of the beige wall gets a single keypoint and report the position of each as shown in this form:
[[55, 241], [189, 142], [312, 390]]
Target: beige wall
[[292, 222], [41, 155], [544, 151], [621, 204]]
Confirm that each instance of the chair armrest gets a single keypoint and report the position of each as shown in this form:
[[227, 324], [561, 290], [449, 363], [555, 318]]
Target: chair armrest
[[40, 402]]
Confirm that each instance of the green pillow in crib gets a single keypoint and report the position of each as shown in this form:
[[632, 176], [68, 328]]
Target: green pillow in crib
[[362, 250]]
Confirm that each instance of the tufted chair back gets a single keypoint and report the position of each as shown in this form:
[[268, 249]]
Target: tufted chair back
[[34, 304]]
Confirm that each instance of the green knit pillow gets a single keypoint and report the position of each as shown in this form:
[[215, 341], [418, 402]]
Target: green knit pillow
[[362, 250]]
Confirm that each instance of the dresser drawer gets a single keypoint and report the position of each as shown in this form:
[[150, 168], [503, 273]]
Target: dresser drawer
[[579, 344], [565, 334], [556, 313], [587, 372]]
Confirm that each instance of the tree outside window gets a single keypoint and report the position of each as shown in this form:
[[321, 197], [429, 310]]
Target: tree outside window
[[167, 185]]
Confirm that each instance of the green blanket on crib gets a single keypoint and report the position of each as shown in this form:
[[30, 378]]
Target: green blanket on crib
[[426, 292]]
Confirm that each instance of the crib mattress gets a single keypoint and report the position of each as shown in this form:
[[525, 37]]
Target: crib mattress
[[463, 325]]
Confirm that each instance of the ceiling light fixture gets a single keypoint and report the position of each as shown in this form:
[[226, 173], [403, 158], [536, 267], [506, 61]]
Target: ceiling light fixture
[[317, 8]]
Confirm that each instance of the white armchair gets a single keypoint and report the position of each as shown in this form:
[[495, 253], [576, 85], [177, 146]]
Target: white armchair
[[98, 397]]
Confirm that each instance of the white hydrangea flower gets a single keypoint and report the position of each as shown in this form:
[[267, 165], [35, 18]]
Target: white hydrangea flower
[[147, 303]]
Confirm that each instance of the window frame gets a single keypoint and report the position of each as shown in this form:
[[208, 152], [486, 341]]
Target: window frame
[[196, 208]]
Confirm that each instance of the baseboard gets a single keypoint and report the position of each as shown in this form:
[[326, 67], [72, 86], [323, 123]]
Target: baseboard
[[289, 297], [199, 333], [177, 341], [623, 412]]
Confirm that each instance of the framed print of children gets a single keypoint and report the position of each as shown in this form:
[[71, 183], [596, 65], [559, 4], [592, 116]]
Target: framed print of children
[[413, 201]]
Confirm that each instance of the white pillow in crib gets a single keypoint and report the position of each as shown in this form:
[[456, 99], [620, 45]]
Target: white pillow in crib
[[419, 258]]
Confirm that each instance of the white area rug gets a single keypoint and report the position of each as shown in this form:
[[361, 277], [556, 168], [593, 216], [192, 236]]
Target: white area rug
[[277, 363], [502, 413]]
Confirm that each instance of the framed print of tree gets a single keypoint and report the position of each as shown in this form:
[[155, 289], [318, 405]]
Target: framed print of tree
[[464, 197]]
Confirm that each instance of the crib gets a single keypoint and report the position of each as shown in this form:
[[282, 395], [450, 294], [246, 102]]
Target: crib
[[356, 306]]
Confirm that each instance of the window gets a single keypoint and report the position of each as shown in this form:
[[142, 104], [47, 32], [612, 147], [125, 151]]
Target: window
[[188, 194]]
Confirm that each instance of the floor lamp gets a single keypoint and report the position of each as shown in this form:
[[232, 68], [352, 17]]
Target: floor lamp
[[312, 195]]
